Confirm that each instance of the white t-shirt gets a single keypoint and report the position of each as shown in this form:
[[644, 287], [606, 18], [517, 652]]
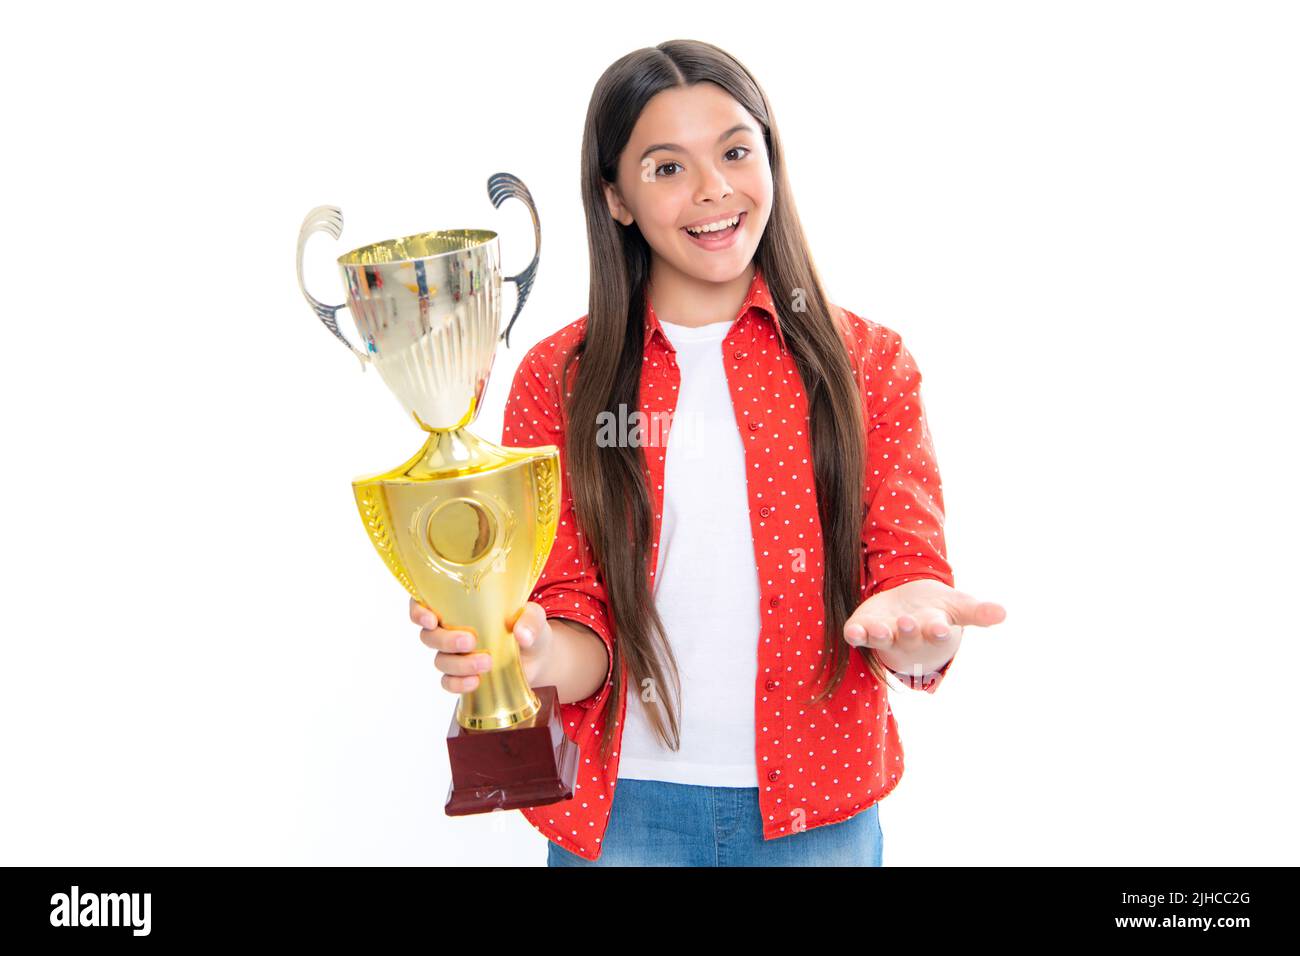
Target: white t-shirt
[[706, 584]]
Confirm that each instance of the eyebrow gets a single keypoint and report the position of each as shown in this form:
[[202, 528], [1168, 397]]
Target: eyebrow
[[673, 147]]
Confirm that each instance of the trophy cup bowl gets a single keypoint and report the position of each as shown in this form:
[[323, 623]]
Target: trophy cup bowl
[[466, 526]]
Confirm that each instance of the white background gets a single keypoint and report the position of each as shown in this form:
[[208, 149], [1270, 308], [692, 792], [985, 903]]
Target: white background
[[1084, 220]]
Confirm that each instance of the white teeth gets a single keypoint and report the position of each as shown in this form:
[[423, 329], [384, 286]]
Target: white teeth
[[715, 226]]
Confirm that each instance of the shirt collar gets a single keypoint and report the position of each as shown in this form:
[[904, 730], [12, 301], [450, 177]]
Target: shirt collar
[[758, 297]]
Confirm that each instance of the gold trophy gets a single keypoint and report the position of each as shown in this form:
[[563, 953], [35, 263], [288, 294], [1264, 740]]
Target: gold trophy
[[465, 525]]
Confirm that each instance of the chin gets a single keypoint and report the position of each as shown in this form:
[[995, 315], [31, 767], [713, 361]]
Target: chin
[[722, 271]]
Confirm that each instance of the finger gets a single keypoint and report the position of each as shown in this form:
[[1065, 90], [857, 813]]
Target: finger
[[463, 665], [924, 625], [445, 639], [422, 615], [529, 624], [934, 624], [459, 685], [864, 630], [909, 631]]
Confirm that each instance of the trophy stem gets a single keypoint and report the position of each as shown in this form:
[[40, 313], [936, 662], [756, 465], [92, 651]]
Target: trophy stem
[[466, 526]]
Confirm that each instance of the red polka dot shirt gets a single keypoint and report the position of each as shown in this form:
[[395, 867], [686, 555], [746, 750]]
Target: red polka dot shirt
[[817, 765]]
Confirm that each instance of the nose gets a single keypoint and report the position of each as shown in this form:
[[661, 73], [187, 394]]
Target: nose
[[713, 188]]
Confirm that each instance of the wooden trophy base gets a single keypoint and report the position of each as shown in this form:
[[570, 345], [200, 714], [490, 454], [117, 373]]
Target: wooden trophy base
[[528, 765]]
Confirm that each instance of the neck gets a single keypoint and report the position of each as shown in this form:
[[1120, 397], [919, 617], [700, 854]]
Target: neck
[[687, 300]]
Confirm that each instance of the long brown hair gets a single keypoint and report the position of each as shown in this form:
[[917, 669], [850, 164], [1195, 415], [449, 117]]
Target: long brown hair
[[613, 505]]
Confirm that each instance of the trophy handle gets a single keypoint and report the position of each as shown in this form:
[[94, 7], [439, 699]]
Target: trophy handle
[[325, 219], [501, 186]]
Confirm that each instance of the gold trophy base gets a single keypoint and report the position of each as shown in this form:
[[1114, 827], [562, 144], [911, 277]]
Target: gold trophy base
[[530, 764]]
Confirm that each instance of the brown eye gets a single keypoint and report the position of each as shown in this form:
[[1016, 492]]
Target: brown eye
[[662, 165]]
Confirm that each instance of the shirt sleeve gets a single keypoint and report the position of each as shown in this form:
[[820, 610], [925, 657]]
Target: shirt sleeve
[[569, 586], [902, 531], [926, 682]]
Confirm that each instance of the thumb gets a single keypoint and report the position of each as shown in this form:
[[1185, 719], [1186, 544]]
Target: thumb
[[967, 609], [530, 624]]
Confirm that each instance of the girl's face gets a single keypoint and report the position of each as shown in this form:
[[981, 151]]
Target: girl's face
[[695, 155]]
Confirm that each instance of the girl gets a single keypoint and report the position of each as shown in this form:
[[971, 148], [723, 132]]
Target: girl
[[752, 579]]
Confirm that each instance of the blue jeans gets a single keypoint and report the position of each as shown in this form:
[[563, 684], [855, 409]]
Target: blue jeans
[[653, 823]]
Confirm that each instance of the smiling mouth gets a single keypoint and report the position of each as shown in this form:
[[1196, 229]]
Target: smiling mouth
[[719, 237]]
